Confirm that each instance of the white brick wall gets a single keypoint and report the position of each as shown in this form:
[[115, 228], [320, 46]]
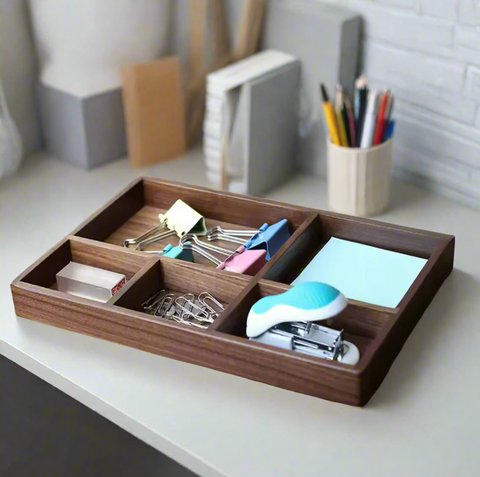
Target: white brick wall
[[428, 53]]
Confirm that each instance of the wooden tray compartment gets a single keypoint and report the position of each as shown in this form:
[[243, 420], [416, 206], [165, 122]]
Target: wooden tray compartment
[[361, 323], [379, 332], [136, 210], [86, 252], [178, 277], [321, 227]]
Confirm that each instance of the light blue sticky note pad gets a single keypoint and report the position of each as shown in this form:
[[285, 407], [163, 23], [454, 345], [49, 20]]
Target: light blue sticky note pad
[[362, 272]]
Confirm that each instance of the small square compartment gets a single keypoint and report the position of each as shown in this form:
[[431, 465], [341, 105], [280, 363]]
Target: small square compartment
[[177, 277], [135, 211], [101, 256], [360, 324]]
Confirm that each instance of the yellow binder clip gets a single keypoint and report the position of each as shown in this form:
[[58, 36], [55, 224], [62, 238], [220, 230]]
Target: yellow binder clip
[[179, 220]]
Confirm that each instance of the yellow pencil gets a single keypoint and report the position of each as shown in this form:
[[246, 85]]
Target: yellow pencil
[[330, 117], [338, 110]]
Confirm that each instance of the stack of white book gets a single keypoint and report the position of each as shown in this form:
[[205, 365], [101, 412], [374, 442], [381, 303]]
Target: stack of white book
[[233, 118]]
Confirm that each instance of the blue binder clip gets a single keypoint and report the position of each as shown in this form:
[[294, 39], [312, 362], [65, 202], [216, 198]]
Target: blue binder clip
[[271, 238], [174, 252], [267, 237]]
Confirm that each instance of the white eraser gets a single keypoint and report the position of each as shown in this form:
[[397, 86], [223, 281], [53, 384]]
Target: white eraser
[[89, 282]]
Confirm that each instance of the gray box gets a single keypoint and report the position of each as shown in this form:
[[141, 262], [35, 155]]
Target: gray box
[[85, 131]]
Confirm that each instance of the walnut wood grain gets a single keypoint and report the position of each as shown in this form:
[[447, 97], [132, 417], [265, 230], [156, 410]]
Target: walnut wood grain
[[181, 277], [107, 257], [147, 218], [392, 337], [238, 356], [226, 207], [109, 218], [415, 242], [285, 267], [378, 332]]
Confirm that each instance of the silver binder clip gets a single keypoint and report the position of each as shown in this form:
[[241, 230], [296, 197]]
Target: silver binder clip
[[248, 262], [233, 236], [268, 237]]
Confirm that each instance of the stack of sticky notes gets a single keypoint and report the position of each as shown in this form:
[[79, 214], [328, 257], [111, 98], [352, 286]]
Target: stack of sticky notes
[[362, 272]]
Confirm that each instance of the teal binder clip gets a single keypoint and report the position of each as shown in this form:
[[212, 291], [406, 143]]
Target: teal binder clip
[[174, 252], [268, 237]]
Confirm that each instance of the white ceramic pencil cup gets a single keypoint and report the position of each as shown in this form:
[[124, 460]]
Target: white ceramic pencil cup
[[359, 179]]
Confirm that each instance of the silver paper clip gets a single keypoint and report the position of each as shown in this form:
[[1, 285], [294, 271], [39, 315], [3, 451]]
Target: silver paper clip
[[204, 297], [185, 309]]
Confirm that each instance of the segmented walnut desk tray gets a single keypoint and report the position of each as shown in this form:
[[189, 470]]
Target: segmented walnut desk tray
[[378, 332]]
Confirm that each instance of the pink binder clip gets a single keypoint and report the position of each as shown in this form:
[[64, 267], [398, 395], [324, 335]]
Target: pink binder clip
[[248, 262]]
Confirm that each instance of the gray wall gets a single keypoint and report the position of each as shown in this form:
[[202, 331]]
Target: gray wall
[[428, 53], [18, 70]]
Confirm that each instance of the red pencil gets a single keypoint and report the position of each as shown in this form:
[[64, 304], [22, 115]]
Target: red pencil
[[381, 123]]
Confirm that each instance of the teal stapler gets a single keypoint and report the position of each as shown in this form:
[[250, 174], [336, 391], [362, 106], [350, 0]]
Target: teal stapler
[[287, 321]]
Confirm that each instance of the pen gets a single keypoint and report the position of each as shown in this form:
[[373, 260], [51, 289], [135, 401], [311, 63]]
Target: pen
[[390, 123], [389, 130], [346, 121], [338, 110], [370, 120], [361, 92], [330, 116], [351, 121], [382, 118]]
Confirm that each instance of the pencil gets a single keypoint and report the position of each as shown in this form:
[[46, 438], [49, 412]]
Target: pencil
[[330, 116], [381, 119], [338, 110]]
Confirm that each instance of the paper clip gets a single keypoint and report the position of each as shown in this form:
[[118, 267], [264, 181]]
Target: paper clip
[[153, 301], [174, 252], [189, 308], [249, 262], [204, 297], [178, 220], [268, 237]]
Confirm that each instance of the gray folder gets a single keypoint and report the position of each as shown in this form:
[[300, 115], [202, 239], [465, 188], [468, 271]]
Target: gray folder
[[326, 40], [263, 143]]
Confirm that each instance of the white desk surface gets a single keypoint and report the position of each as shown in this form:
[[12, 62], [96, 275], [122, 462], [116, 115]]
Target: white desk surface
[[424, 419]]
